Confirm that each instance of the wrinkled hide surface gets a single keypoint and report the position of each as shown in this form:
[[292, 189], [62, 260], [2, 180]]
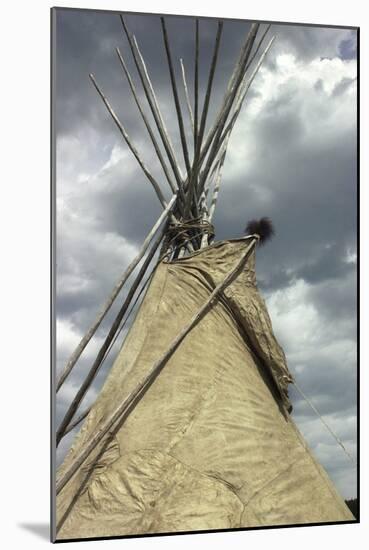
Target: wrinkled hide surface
[[210, 445]]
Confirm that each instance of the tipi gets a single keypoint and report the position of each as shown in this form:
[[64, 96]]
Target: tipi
[[191, 430]]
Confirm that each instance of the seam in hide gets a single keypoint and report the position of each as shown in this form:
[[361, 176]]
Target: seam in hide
[[224, 482], [315, 463], [256, 493]]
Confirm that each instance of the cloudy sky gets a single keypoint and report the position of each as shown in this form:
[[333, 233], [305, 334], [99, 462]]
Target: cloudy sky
[[292, 156]]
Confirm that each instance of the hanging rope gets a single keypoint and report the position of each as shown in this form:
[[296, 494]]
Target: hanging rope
[[349, 455]]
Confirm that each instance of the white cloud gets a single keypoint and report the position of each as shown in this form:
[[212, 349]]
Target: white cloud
[[351, 256], [295, 317], [301, 326], [66, 335], [320, 357], [304, 88]]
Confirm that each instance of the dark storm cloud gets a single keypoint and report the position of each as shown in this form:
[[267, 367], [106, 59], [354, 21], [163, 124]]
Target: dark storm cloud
[[312, 204], [328, 264], [79, 306], [348, 47], [337, 300], [331, 382], [86, 44], [126, 209], [295, 161]]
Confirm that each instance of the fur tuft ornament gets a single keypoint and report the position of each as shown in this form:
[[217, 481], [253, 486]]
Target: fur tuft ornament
[[263, 227]]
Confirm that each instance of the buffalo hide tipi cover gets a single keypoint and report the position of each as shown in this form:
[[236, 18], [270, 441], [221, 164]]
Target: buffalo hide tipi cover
[[210, 445]]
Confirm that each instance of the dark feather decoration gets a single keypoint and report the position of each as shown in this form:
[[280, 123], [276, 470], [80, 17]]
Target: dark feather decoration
[[263, 227]]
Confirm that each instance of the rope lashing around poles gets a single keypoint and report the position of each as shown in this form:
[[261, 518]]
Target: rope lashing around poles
[[172, 249], [181, 229], [349, 455]]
